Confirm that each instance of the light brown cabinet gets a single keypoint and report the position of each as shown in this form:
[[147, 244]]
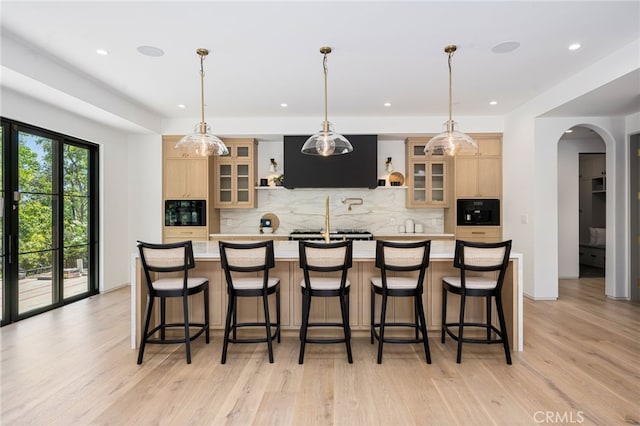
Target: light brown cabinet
[[479, 172], [426, 180], [234, 175], [483, 234], [186, 178]]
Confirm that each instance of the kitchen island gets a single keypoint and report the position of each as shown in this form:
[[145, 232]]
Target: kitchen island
[[207, 256]]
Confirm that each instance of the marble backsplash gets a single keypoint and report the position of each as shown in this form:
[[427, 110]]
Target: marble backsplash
[[382, 211]]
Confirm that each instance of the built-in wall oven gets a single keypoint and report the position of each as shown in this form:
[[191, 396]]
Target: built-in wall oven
[[478, 212], [185, 213]]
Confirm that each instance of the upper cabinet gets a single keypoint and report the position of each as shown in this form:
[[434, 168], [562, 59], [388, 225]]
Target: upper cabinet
[[184, 176], [426, 180], [235, 175], [479, 171]]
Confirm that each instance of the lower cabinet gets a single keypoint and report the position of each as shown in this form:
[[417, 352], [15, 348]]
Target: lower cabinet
[[482, 234], [174, 234]]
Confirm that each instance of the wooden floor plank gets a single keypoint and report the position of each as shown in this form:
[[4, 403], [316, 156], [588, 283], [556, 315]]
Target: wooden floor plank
[[74, 366]]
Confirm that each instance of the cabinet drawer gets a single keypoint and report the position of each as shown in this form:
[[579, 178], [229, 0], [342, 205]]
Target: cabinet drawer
[[479, 233], [179, 233]]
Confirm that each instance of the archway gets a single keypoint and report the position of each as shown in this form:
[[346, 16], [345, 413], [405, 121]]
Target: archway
[[581, 203]]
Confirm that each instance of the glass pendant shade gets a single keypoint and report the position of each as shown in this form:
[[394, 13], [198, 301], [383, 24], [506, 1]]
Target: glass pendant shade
[[201, 142], [450, 142], [326, 142]]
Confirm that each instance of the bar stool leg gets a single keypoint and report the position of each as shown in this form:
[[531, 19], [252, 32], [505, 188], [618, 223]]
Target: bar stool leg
[[503, 328], [461, 328], [147, 320], [227, 328], [306, 307], [345, 325], [187, 339], [265, 302], [383, 319]]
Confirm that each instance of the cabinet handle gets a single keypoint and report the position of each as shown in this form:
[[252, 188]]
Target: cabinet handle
[[478, 232]]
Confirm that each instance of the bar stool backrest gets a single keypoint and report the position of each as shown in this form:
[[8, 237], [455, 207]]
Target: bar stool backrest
[[482, 257], [247, 257], [170, 257], [326, 257], [403, 256]]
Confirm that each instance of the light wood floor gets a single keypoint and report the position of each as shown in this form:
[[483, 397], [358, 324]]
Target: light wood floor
[[581, 364]]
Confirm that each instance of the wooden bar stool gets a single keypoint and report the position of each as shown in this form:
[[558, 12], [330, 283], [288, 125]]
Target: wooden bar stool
[[477, 257], [321, 258], [246, 269], [171, 258], [400, 257]]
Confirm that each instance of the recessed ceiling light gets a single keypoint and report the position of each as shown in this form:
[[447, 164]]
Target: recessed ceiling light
[[387, 104], [183, 106], [102, 52], [283, 105], [505, 47], [152, 51], [493, 103], [575, 46]]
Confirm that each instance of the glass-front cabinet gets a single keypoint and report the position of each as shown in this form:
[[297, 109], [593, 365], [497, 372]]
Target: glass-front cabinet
[[235, 180], [426, 177]]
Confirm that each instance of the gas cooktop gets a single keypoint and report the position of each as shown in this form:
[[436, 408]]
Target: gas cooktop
[[334, 234]]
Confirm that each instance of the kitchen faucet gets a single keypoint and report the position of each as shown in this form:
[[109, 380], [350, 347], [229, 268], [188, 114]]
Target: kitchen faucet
[[325, 234], [352, 201]]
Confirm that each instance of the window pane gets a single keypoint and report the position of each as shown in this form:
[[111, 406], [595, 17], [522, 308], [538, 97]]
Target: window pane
[[76, 221], [34, 163], [76, 270], [76, 170], [35, 216], [35, 283]]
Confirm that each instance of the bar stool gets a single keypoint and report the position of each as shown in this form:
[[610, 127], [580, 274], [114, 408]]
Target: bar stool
[[243, 263], [400, 257], [171, 258], [323, 258], [479, 257]]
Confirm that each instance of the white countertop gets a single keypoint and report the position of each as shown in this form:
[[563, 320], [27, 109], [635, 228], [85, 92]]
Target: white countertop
[[375, 235], [440, 249]]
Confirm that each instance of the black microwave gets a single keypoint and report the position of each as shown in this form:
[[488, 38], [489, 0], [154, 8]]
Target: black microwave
[[185, 213], [478, 212]]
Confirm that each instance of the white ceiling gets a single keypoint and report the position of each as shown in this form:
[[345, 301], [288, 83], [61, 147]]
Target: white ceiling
[[266, 53]]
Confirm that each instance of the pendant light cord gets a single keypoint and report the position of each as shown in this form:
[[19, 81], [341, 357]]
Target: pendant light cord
[[326, 123], [450, 91], [202, 92]]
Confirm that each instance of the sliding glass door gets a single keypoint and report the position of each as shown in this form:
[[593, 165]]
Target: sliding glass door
[[49, 220]]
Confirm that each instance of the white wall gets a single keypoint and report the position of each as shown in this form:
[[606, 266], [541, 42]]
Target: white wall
[[114, 179], [145, 213], [530, 187], [568, 201]]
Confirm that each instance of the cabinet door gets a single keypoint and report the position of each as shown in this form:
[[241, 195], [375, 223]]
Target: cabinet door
[[466, 177], [489, 146], [437, 183], [175, 179], [418, 184], [244, 187], [185, 179], [489, 177]]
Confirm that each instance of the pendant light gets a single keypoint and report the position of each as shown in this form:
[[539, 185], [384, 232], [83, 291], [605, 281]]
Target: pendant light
[[326, 142], [201, 141], [450, 142]]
